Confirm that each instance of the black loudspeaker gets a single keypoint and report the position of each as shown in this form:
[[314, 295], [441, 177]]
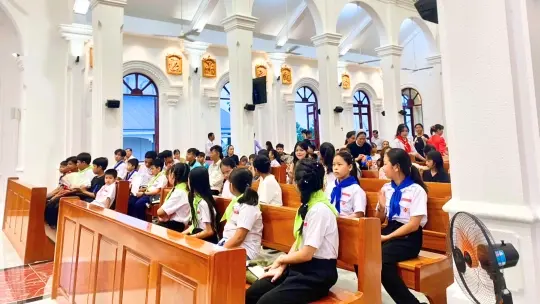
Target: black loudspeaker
[[427, 10], [338, 109], [319, 111], [112, 104], [383, 113], [249, 107], [402, 112]]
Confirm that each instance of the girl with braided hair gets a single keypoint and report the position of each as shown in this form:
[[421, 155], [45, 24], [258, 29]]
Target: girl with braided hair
[[308, 271], [175, 212]]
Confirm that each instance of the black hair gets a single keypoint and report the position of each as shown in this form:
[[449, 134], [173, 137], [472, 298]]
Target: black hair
[[304, 131], [380, 161], [218, 149], [199, 183], [399, 157], [376, 131], [308, 132], [241, 179], [112, 172], [269, 145], [165, 154], [84, 158], [193, 151], [436, 128], [419, 124], [349, 135], [176, 151], [229, 148], [301, 144], [400, 129], [128, 149], [276, 156], [201, 154], [262, 164], [309, 178], [228, 162], [361, 133], [158, 163], [210, 135], [122, 152], [428, 148], [348, 158], [263, 152], [72, 159], [63, 163], [180, 172], [327, 152], [102, 162], [252, 156], [150, 154], [134, 162], [280, 146], [437, 159]]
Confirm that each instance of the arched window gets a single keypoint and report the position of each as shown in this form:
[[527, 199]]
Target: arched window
[[307, 115], [362, 112], [141, 114], [412, 106], [225, 115]]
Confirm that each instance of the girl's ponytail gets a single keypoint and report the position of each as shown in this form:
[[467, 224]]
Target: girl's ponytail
[[241, 179]]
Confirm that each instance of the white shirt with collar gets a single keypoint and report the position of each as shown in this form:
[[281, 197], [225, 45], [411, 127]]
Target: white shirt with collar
[[275, 164], [121, 169], [85, 177], [353, 199], [396, 143], [413, 203], [177, 207], [269, 191], [250, 218], [158, 183], [203, 214], [226, 193], [135, 180], [321, 232], [145, 174], [106, 192], [209, 145], [216, 177], [131, 157]]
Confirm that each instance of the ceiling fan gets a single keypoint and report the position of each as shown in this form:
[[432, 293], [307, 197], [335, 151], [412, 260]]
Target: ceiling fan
[[289, 51], [363, 62], [183, 35]]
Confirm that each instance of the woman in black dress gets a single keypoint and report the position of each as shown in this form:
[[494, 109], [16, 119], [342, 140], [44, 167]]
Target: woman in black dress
[[436, 172]]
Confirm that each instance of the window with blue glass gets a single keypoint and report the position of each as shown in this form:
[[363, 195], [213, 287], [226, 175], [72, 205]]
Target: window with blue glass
[[307, 115], [362, 112], [411, 102], [225, 115]]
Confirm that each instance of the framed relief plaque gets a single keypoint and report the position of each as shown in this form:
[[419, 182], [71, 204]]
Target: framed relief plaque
[[286, 75], [174, 64], [209, 67]]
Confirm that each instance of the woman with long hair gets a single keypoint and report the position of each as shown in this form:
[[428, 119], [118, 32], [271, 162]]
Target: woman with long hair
[[231, 155], [402, 142], [437, 140], [300, 152], [174, 213], [436, 172]]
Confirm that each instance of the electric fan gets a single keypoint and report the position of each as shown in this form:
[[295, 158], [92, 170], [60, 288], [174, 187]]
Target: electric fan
[[479, 261]]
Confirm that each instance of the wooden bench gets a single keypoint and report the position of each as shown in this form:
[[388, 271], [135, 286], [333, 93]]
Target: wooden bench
[[440, 190], [360, 244], [24, 221], [370, 174], [103, 256], [122, 197], [280, 173]]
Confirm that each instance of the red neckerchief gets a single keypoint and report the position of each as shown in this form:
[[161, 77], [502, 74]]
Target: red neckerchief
[[405, 144]]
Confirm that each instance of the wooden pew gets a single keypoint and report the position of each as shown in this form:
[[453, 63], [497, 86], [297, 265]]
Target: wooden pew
[[103, 256], [122, 197], [370, 174], [360, 244], [440, 190], [24, 221], [280, 173]]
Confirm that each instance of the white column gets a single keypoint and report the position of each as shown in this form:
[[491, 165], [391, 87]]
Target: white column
[[289, 122], [432, 98], [107, 124], [491, 81], [197, 137], [77, 35], [327, 56], [239, 29], [276, 127], [391, 68]]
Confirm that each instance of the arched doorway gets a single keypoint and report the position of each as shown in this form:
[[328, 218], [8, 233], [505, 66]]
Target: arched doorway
[[225, 114], [141, 114], [362, 112], [306, 109], [411, 101]]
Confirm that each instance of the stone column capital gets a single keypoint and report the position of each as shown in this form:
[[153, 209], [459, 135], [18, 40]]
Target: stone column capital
[[77, 35], [389, 50], [239, 21], [332, 39], [120, 3], [196, 48]]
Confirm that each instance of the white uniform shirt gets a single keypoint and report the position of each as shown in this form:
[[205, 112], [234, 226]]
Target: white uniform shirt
[[330, 183], [159, 183], [320, 231], [274, 164], [203, 214], [145, 174], [396, 143], [106, 191], [269, 191], [353, 199], [121, 169], [216, 177], [226, 193], [250, 218], [135, 181], [85, 177], [177, 207], [131, 157], [209, 145], [413, 203]]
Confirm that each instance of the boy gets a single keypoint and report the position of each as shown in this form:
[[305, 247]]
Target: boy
[[144, 169], [201, 159], [167, 158], [133, 176], [280, 148], [191, 156], [105, 196], [120, 167], [144, 197], [63, 171], [88, 194]]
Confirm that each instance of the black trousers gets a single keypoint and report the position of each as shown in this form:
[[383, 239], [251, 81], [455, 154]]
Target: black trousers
[[299, 284], [215, 192], [394, 251], [173, 225], [211, 239]]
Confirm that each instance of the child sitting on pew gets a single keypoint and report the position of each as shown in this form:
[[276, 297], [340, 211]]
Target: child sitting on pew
[[175, 213], [347, 195], [269, 190], [404, 202], [63, 171], [88, 194], [120, 167], [106, 195], [244, 218], [201, 159], [226, 167], [308, 271], [147, 195], [144, 169], [131, 170], [203, 207]]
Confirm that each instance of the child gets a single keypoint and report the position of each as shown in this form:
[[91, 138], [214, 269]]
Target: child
[[347, 195], [131, 170], [120, 167], [201, 159], [403, 202], [105, 196], [275, 160], [308, 271], [243, 161], [251, 159], [144, 170], [176, 156], [175, 213], [145, 196], [227, 165], [269, 190], [436, 172], [63, 171], [203, 207], [190, 158], [300, 152], [380, 162], [88, 194], [375, 156], [167, 158], [244, 218]]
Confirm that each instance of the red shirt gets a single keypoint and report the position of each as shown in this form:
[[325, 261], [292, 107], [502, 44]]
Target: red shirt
[[439, 143]]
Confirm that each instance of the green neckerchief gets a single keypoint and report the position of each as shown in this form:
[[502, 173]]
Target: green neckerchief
[[316, 198], [181, 186], [87, 168], [228, 212], [194, 219], [154, 179]]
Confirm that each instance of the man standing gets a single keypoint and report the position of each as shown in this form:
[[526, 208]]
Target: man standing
[[214, 170], [209, 143], [129, 154], [360, 150], [375, 139]]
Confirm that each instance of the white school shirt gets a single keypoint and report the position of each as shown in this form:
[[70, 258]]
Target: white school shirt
[[321, 232], [226, 193], [274, 164], [177, 207], [396, 143], [269, 191], [106, 191], [413, 203], [159, 183], [121, 169], [203, 214], [216, 177], [353, 199], [145, 174], [135, 181], [250, 218], [131, 157], [329, 184], [209, 145]]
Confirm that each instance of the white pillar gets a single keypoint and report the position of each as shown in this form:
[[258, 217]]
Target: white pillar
[[107, 124], [239, 29], [491, 81], [391, 68], [276, 127], [289, 122], [432, 99], [77, 35], [195, 50], [330, 95]]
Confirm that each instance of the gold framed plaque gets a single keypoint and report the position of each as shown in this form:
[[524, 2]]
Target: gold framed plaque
[[174, 64], [286, 75], [260, 71], [345, 81], [209, 67]]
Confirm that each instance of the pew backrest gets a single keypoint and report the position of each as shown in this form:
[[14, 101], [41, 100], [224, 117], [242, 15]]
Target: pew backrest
[[280, 173], [441, 190], [103, 256], [370, 174], [122, 196]]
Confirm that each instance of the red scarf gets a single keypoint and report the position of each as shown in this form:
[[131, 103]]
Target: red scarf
[[405, 143]]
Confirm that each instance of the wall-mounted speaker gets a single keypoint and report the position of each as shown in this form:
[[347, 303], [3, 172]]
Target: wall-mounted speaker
[[338, 109], [383, 113], [249, 107], [427, 10], [112, 104]]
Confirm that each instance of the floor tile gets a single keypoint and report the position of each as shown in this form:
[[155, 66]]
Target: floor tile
[[43, 270], [8, 256]]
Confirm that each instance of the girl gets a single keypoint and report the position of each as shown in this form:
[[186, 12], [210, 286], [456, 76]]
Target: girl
[[346, 195], [385, 144], [269, 146], [420, 139], [375, 156], [308, 271], [275, 160], [437, 140], [231, 155], [436, 172], [243, 161], [202, 207], [226, 167], [404, 202], [176, 157], [244, 218], [269, 190], [175, 213], [402, 142], [350, 137], [327, 153], [380, 163], [300, 152]]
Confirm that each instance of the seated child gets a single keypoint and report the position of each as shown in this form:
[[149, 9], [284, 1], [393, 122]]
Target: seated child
[[63, 171], [88, 194], [106, 195], [201, 159], [146, 195], [120, 167], [243, 161], [175, 212], [144, 169], [191, 158], [347, 196], [244, 218], [227, 165], [269, 190]]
